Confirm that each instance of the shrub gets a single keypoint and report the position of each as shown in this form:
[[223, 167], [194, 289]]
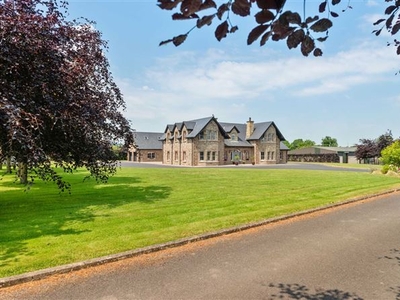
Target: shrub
[[391, 156]]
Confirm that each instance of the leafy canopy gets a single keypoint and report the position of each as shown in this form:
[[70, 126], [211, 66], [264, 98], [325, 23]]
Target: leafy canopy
[[299, 143], [329, 142], [372, 148], [391, 154], [272, 20], [58, 101]]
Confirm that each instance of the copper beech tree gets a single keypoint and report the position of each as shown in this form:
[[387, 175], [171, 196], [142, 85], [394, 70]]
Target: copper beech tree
[[59, 105], [272, 20]]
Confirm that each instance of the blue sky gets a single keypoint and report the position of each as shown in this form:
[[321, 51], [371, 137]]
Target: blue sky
[[349, 93]]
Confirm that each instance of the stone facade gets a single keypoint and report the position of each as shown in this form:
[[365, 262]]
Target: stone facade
[[207, 142], [202, 150], [147, 147], [146, 155]]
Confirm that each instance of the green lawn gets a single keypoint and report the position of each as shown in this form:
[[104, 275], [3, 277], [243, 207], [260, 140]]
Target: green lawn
[[140, 207]]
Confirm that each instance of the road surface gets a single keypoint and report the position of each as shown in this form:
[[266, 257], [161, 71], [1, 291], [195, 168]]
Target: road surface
[[351, 252]]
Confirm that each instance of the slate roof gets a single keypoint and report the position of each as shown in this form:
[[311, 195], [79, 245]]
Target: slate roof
[[282, 146], [314, 150], [241, 128], [339, 149], [196, 126], [261, 128], [148, 140]]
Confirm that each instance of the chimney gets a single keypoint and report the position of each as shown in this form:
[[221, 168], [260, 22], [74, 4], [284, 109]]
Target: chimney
[[249, 128]]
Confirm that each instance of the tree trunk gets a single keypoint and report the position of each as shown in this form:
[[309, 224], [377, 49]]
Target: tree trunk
[[8, 165], [23, 172]]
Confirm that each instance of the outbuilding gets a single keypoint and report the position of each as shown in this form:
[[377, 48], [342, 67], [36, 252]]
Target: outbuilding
[[324, 154], [147, 147]]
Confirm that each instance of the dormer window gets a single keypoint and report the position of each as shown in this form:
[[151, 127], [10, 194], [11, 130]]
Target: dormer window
[[234, 136]]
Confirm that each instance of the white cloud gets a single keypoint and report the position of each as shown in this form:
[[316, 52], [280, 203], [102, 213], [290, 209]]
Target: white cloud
[[188, 85], [372, 3]]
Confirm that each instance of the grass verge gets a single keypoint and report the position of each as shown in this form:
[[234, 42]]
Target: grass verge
[[141, 207]]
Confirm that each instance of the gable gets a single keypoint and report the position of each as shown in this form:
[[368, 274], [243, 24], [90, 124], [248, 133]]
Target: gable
[[201, 124], [261, 128]]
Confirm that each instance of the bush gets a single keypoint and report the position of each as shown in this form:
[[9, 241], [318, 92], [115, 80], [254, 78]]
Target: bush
[[385, 169], [391, 156]]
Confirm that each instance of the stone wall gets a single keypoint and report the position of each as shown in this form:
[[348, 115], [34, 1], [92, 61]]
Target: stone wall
[[267, 149], [214, 147]]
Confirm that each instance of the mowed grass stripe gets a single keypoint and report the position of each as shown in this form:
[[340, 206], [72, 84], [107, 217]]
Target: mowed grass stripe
[[141, 207]]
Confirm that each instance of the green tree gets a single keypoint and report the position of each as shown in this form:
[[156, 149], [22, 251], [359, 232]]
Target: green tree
[[329, 142], [59, 104], [384, 140], [300, 143], [391, 155], [272, 20]]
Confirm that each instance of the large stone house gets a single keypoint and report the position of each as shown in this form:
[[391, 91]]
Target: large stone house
[[208, 142]]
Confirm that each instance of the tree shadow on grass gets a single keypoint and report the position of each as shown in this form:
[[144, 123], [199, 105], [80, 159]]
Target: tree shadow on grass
[[297, 291], [44, 213]]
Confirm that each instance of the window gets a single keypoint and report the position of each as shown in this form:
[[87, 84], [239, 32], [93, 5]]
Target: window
[[272, 155], [151, 155], [201, 135], [184, 136], [168, 155], [262, 155], [213, 155], [211, 135], [201, 154], [268, 155], [176, 155], [269, 137], [208, 155], [234, 136], [184, 155]]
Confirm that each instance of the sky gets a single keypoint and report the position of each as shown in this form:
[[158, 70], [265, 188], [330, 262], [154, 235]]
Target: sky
[[350, 93]]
